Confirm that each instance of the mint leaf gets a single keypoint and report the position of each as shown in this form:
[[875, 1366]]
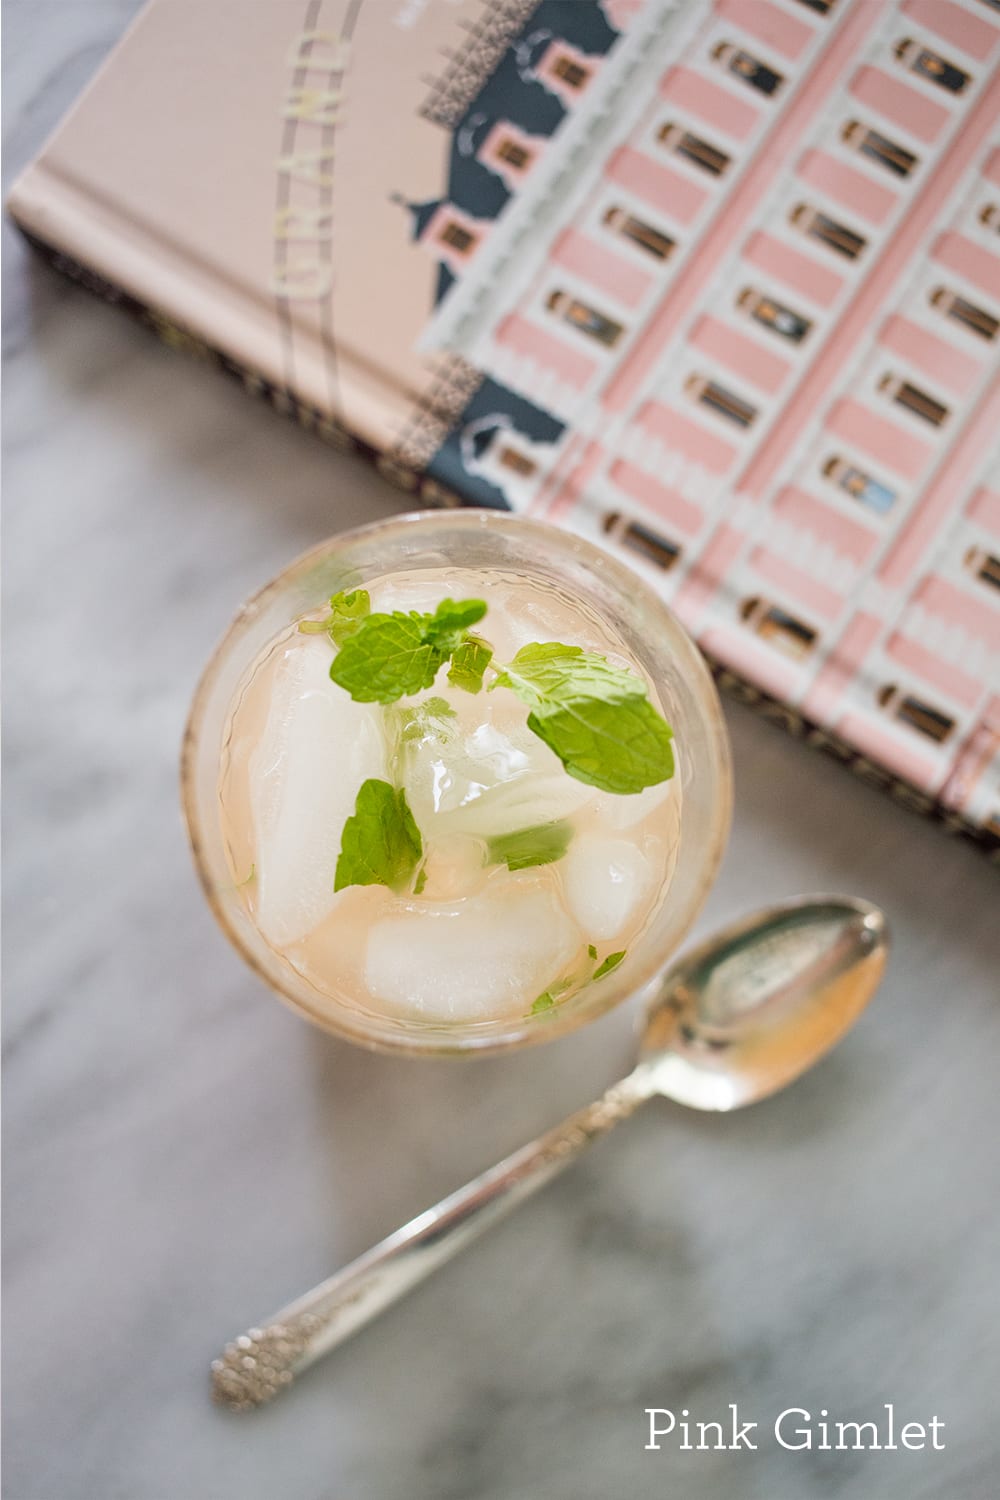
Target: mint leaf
[[386, 658], [611, 962], [389, 656], [447, 626], [469, 662], [597, 718], [381, 844], [591, 951], [548, 672], [618, 747], [550, 997], [346, 612], [530, 846]]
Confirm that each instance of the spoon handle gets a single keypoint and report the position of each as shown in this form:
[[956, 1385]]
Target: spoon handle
[[265, 1360]]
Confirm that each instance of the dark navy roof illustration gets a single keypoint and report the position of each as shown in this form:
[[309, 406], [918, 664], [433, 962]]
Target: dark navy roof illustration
[[515, 95]]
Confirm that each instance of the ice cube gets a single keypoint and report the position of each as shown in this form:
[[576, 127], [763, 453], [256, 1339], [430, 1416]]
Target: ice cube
[[623, 812], [406, 592], [606, 881], [534, 615], [489, 782], [487, 955], [317, 747], [455, 864]]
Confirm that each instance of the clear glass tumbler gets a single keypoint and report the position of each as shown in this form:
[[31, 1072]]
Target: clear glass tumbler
[[541, 553]]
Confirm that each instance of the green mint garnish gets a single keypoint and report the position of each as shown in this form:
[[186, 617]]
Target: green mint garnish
[[611, 962], [386, 657], [346, 613], [446, 627], [381, 844], [347, 610], [468, 663], [550, 997], [530, 846], [597, 718], [389, 656], [421, 881]]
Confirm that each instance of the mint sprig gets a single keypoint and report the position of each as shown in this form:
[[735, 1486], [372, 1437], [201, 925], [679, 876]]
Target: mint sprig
[[347, 610], [596, 717], [381, 843], [389, 656], [528, 847]]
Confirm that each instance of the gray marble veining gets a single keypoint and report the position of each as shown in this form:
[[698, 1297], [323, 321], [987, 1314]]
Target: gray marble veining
[[182, 1154]]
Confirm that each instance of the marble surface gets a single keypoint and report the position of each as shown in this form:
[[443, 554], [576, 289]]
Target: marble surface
[[182, 1154]]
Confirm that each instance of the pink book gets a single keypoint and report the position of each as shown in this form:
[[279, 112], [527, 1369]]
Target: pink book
[[717, 285]]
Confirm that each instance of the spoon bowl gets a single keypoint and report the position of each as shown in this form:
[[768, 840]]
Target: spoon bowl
[[742, 1015]]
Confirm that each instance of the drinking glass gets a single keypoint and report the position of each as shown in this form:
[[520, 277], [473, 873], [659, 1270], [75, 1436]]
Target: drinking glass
[[539, 553]]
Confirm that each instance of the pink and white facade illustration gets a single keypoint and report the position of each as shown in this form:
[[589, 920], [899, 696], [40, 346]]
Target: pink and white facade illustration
[[767, 314]]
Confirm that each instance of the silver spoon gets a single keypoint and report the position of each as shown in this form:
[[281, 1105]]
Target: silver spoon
[[737, 1019]]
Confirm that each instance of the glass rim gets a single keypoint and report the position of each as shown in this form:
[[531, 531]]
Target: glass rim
[[557, 1024]]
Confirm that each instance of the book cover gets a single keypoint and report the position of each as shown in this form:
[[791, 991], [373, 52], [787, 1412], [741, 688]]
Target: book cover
[[715, 284]]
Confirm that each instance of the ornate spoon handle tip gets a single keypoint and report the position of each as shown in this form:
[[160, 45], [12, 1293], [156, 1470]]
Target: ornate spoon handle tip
[[254, 1368]]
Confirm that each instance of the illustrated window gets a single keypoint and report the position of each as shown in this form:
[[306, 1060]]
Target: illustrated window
[[458, 237], [693, 148], [772, 315], [919, 715], [910, 396], [514, 153], [859, 485], [718, 399], [572, 73], [642, 539], [646, 236], [975, 319], [778, 627], [587, 319], [565, 70], [517, 462], [828, 231], [983, 566]]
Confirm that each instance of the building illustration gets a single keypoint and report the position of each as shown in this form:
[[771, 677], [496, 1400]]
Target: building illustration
[[730, 276]]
